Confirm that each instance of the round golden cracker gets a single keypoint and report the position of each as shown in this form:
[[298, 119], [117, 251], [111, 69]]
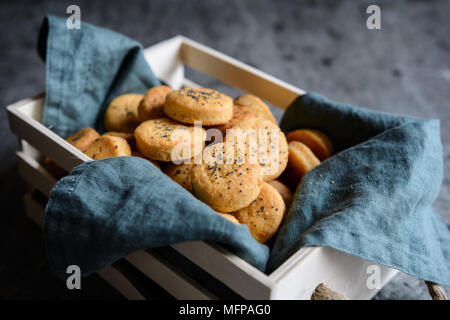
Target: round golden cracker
[[125, 135], [301, 160], [225, 187], [152, 105], [264, 215], [199, 104], [240, 113], [316, 140], [122, 113], [80, 140], [229, 217], [284, 191], [181, 174], [83, 138], [256, 105], [157, 138], [271, 151], [107, 147]]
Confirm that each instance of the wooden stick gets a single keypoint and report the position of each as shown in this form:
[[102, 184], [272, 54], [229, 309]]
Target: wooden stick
[[322, 292], [436, 291]]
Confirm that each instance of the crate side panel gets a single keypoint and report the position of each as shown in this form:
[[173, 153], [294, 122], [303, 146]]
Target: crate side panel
[[238, 74], [344, 273], [164, 59], [241, 277]]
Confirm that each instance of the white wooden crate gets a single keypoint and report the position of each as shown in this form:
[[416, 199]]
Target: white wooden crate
[[296, 278]]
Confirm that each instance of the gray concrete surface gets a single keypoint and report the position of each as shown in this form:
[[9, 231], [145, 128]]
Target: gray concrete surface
[[321, 46]]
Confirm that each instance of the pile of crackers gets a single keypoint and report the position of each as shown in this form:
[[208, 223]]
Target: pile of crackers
[[228, 153]]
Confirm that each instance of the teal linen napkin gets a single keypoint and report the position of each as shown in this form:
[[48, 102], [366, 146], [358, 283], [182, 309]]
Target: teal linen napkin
[[106, 209], [85, 69], [372, 199]]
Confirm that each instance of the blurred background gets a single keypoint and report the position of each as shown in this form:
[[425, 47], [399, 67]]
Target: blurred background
[[320, 46]]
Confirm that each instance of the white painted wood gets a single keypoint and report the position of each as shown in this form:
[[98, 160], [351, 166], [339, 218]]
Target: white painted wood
[[31, 107], [22, 121], [238, 74], [118, 281], [296, 278], [311, 266], [171, 279], [34, 173], [236, 273], [165, 61]]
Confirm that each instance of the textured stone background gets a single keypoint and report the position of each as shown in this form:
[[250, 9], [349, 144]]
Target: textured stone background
[[321, 46]]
